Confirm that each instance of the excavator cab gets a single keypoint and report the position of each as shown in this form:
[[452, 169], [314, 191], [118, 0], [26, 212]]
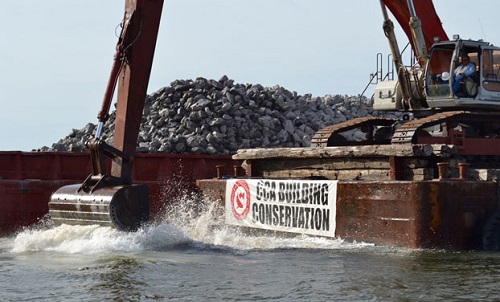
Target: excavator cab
[[443, 89], [110, 198], [478, 89], [435, 83]]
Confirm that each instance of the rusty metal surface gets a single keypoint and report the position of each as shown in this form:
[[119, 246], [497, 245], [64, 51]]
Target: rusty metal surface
[[321, 137], [139, 43], [414, 214], [75, 166], [24, 202], [213, 188], [27, 180], [428, 214], [406, 133], [379, 212], [412, 132]]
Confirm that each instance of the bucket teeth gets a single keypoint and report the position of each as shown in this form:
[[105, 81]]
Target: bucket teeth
[[123, 207]]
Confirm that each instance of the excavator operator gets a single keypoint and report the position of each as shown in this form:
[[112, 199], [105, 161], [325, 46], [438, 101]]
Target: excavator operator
[[462, 72]]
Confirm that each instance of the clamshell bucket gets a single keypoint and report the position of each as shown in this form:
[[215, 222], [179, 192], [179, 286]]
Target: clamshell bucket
[[122, 207]]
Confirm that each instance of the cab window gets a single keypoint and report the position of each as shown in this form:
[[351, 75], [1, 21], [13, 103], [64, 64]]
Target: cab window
[[440, 61], [439, 65], [491, 69]]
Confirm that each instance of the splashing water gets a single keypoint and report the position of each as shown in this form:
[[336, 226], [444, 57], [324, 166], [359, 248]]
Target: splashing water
[[188, 223]]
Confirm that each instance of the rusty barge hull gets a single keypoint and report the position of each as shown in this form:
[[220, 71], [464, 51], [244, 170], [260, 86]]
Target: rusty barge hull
[[414, 214], [398, 197], [414, 196], [27, 180]]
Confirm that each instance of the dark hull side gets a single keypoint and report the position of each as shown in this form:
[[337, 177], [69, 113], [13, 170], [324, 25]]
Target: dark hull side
[[446, 213], [27, 180], [441, 214]]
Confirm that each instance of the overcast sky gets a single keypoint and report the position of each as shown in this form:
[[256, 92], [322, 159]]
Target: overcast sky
[[56, 55]]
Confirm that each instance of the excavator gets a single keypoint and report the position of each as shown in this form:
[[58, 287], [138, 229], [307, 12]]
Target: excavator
[[441, 113], [445, 108]]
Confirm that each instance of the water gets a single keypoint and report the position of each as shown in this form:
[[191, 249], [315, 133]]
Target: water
[[191, 256]]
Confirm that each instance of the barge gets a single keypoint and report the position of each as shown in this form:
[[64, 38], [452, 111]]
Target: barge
[[418, 196], [28, 179]]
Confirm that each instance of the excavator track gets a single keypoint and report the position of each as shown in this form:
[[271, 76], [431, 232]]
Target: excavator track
[[405, 132], [409, 132], [323, 137]]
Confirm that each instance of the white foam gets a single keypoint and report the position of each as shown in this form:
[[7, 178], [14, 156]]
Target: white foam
[[70, 239], [203, 223], [189, 222], [95, 239]]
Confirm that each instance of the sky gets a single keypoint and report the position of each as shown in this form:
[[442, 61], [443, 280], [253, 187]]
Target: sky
[[56, 55]]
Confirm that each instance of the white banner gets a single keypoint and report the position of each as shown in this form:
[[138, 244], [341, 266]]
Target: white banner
[[298, 206]]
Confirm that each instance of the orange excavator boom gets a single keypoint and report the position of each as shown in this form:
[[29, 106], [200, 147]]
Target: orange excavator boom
[[432, 27]]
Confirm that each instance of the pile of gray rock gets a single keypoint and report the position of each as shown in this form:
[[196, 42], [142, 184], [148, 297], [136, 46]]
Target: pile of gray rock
[[219, 117]]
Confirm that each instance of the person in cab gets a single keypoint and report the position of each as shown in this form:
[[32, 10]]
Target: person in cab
[[462, 72]]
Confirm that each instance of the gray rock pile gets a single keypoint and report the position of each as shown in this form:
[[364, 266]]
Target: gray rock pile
[[219, 117]]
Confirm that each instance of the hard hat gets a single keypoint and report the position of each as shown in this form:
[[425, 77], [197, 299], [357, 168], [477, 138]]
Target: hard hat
[[445, 76]]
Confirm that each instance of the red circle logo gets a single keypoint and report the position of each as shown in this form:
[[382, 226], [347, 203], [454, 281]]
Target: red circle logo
[[240, 199]]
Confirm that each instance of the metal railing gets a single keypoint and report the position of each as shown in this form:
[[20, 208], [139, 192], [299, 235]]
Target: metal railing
[[380, 75]]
